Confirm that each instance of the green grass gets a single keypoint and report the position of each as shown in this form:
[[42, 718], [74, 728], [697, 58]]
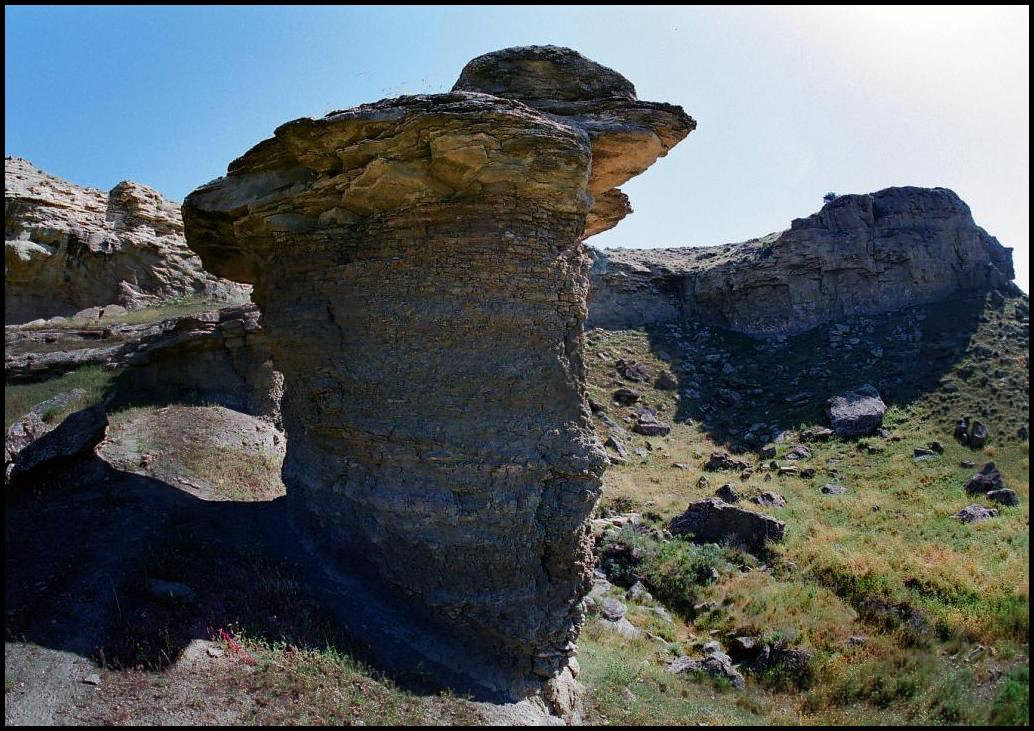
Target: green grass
[[888, 560], [20, 398]]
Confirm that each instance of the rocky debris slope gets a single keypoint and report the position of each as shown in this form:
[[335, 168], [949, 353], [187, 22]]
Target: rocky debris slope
[[860, 254], [68, 248], [419, 266]]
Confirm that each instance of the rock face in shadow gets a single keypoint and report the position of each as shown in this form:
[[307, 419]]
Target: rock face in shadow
[[422, 279], [67, 248], [860, 254]]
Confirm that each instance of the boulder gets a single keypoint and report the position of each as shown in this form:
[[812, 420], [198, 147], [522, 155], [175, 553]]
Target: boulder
[[727, 493], [989, 478], [856, 413], [716, 664], [976, 514], [719, 460], [1004, 496], [649, 425], [713, 520], [420, 267], [769, 499], [73, 438]]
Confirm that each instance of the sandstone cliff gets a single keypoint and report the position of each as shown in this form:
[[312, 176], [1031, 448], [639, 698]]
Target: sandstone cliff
[[860, 254], [420, 269], [68, 248]]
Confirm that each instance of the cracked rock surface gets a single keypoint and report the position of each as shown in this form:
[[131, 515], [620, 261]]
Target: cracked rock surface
[[422, 279]]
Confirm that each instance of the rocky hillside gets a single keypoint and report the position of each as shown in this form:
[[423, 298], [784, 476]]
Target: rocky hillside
[[860, 254], [68, 248]]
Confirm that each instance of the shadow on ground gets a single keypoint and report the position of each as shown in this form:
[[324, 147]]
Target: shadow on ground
[[83, 547], [744, 391]]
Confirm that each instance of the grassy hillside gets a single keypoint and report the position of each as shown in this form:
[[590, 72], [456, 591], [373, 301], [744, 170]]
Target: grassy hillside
[[908, 614]]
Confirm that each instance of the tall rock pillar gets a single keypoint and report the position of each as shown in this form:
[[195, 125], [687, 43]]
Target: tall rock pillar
[[422, 278]]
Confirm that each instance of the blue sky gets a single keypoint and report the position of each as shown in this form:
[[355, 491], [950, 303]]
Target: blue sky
[[790, 102]]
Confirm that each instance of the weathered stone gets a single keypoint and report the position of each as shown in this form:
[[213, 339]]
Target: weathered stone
[[769, 499], [666, 381], [649, 425], [68, 248], [716, 664], [626, 396], [989, 478], [1004, 496], [422, 278], [713, 520], [719, 460], [856, 413], [976, 514], [727, 493], [73, 438], [833, 489], [860, 254]]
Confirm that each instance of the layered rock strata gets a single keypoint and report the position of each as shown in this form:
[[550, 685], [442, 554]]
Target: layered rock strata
[[860, 254], [68, 248], [420, 269]]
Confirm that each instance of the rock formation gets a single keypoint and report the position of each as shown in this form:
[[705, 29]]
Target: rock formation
[[220, 357], [860, 254], [68, 248], [422, 279]]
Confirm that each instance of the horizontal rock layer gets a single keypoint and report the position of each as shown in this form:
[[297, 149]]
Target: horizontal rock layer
[[861, 254], [68, 248], [422, 278]]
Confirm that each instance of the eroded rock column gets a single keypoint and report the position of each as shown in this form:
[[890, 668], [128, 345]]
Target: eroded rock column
[[420, 269]]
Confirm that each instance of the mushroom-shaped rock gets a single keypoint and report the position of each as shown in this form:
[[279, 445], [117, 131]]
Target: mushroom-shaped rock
[[627, 135], [422, 278]]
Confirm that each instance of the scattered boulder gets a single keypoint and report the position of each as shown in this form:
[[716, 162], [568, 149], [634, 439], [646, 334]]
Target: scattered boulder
[[727, 493], [769, 499], [714, 663], [989, 478], [714, 520], [1005, 496], [720, 460], [976, 514], [649, 425], [799, 452], [171, 592], [817, 434], [611, 609], [626, 396], [666, 381], [833, 489], [639, 593], [632, 371], [971, 432], [856, 413]]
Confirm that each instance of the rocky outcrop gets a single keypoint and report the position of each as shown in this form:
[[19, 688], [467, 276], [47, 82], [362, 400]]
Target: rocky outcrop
[[420, 269], [68, 248], [860, 254], [220, 357]]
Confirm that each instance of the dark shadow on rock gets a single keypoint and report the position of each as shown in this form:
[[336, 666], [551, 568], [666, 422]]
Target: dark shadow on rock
[[745, 390], [83, 546]]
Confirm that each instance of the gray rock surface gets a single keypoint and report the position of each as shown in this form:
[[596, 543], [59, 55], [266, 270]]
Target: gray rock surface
[[856, 413], [713, 520], [68, 248], [422, 278], [860, 254]]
